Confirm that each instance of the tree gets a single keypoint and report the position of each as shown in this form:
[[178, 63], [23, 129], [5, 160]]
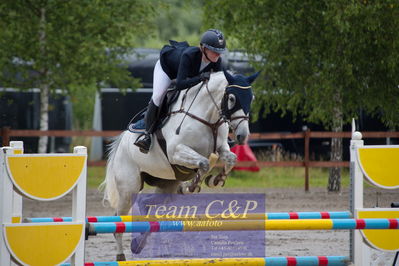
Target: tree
[[75, 46], [183, 19], [324, 60]]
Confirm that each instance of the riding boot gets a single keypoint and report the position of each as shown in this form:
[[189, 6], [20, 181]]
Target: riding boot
[[151, 117]]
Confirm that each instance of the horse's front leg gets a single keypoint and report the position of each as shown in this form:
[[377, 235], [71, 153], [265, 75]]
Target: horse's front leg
[[189, 158], [228, 159]]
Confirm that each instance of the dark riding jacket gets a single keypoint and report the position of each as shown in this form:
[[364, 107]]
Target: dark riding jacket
[[182, 62]]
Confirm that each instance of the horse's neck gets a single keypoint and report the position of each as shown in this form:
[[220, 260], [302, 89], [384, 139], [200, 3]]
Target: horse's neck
[[203, 106]]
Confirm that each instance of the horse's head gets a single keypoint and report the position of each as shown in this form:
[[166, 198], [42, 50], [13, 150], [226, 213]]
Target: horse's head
[[236, 103]]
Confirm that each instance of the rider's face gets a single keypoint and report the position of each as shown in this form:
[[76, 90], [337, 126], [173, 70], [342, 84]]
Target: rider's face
[[213, 56]]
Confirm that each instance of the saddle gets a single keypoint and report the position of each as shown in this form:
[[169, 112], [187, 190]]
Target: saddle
[[137, 123]]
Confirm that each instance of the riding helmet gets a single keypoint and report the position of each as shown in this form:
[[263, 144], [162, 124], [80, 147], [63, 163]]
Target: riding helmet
[[214, 40]]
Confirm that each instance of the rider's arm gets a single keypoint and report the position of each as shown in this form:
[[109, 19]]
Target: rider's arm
[[182, 79]]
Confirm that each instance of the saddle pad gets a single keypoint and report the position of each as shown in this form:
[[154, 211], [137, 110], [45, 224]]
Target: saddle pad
[[137, 127]]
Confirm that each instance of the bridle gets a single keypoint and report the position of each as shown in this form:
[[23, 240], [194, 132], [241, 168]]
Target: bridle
[[228, 113], [224, 117]]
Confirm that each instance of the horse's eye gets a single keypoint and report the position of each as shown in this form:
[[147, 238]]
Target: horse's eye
[[231, 102]]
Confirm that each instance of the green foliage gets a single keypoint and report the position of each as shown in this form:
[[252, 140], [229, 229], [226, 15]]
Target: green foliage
[[72, 45], [176, 20], [314, 50]]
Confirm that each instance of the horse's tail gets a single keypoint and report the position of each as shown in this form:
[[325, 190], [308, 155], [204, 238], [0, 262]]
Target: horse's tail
[[108, 185]]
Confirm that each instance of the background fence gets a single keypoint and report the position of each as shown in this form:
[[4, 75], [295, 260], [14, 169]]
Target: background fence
[[6, 133]]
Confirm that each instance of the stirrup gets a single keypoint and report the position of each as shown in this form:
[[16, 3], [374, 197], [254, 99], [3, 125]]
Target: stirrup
[[143, 142]]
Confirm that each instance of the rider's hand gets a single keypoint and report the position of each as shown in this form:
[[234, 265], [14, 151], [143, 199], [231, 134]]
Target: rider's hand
[[205, 76]]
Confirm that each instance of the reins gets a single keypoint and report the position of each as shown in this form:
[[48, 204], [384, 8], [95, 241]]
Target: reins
[[181, 107]]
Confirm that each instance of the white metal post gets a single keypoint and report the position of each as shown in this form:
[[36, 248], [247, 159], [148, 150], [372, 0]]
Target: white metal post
[[6, 209], [79, 206], [356, 196], [18, 148]]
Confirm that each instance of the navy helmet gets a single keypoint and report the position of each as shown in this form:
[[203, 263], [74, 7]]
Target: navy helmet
[[214, 40]]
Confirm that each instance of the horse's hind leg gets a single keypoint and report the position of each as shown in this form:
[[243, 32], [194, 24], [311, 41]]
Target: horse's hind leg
[[122, 209], [128, 182], [166, 187]]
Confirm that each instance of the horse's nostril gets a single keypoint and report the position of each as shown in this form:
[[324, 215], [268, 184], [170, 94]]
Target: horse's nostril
[[240, 138]]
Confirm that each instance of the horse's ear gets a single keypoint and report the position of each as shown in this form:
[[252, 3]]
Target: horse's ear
[[252, 78], [230, 78]]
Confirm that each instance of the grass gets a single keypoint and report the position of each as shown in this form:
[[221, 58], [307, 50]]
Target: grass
[[273, 177], [95, 175], [289, 177]]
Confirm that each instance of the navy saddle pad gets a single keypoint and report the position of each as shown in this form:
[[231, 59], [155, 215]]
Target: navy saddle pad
[[137, 127]]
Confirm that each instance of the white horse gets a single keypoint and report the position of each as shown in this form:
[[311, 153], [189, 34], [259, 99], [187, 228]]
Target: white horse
[[192, 147]]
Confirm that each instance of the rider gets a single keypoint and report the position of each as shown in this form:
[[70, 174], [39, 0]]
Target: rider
[[189, 65]]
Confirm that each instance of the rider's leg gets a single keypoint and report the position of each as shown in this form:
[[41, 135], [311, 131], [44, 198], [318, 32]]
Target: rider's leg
[[150, 119], [160, 85]]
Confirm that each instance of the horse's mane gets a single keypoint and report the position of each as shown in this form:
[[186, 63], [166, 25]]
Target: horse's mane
[[216, 77], [218, 74]]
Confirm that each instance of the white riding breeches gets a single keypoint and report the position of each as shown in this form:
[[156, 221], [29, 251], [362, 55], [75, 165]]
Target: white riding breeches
[[161, 84]]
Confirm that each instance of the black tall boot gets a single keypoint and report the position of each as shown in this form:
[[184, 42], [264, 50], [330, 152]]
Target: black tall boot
[[151, 117]]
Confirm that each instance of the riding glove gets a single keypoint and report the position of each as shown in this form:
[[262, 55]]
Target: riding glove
[[205, 76]]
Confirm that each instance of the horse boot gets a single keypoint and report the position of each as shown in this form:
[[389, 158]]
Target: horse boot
[[151, 117]]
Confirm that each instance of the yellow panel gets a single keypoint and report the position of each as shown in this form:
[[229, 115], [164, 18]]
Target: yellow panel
[[380, 166], [387, 240], [43, 245], [45, 177]]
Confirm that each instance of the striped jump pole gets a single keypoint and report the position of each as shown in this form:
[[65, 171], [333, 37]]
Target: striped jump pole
[[242, 225], [249, 216], [269, 261]]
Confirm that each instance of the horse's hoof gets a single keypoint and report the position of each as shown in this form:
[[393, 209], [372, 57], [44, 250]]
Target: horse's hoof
[[215, 181], [188, 189], [207, 180], [220, 183], [195, 189], [210, 181], [220, 180], [120, 257]]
